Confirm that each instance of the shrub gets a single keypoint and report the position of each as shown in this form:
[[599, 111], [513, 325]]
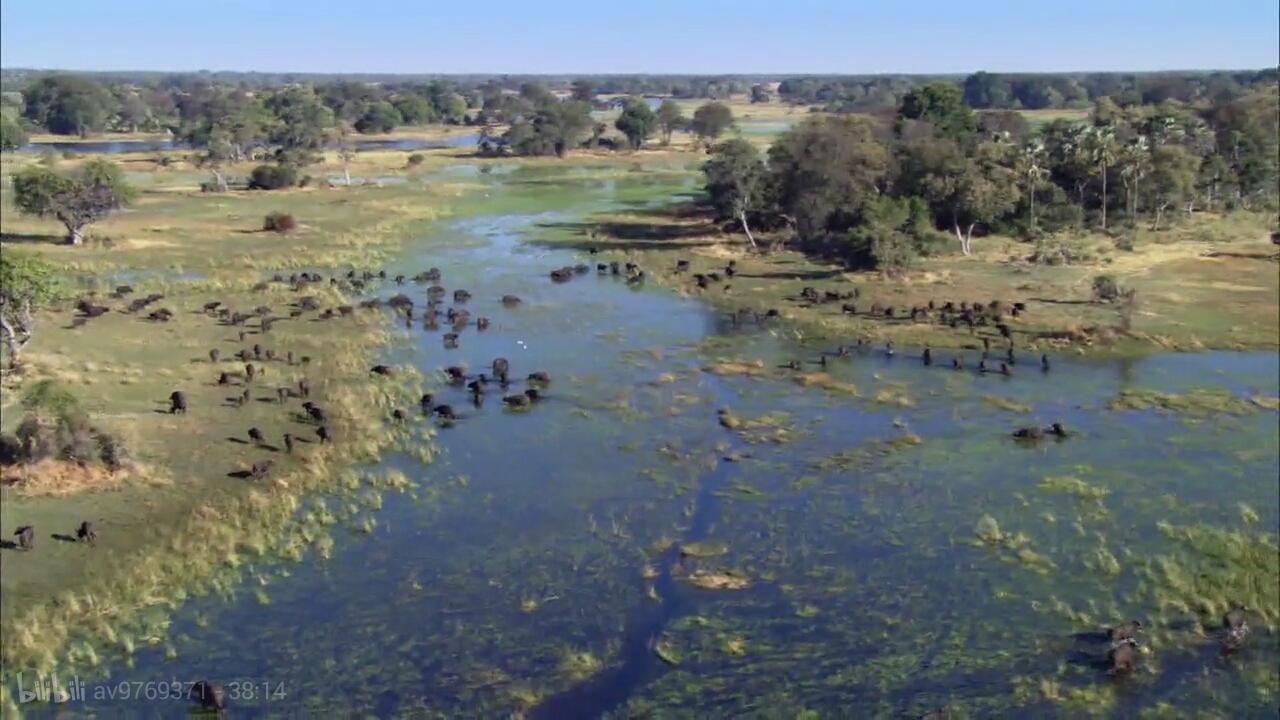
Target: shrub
[[279, 222], [1105, 288], [415, 160], [55, 427], [1051, 251], [273, 177]]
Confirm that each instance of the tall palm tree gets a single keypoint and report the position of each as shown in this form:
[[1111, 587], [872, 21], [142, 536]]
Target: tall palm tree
[[1100, 147], [1032, 161], [1134, 160]]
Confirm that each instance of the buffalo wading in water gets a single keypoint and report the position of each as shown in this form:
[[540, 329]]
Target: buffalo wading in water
[[208, 695], [1124, 631], [1122, 658], [501, 367]]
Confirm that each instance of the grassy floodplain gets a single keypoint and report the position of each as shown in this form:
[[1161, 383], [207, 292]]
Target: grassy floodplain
[[174, 522], [1209, 284], [909, 471]]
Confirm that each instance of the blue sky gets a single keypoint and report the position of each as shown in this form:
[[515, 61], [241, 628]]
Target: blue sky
[[654, 36]]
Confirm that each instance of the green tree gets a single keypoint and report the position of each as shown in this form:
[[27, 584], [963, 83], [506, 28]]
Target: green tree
[[710, 121], [759, 94], [300, 125], [1032, 158], [378, 117], [1173, 174], [670, 119], [69, 105], [637, 122], [553, 129], [885, 239], [824, 171], [415, 110], [1100, 147], [76, 200], [12, 136], [941, 104], [1134, 161], [26, 282], [736, 182], [216, 149], [962, 191], [132, 112], [583, 91], [341, 136]]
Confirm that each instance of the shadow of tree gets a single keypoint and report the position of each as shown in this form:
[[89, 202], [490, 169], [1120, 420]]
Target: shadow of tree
[[30, 238], [635, 230], [815, 274]]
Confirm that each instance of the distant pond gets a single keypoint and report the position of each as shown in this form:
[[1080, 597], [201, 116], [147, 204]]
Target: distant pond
[[116, 147]]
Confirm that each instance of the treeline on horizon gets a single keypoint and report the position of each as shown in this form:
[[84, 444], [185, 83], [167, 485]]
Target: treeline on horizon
[[160, 102]]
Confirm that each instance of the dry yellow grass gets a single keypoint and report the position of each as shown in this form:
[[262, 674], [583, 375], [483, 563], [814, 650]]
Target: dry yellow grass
[[58, 478]]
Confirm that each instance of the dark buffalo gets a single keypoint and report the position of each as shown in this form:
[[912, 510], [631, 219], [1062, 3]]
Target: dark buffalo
[[177, 402], [209, 695], [26, 537]]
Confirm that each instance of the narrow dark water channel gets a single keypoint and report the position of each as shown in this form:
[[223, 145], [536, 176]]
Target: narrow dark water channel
[[638, 658]]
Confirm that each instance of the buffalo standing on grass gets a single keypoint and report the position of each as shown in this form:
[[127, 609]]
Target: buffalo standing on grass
[[26, 537]]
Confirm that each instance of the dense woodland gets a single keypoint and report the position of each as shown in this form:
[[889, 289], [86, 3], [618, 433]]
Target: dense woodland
[[880, 191], [874, 188]]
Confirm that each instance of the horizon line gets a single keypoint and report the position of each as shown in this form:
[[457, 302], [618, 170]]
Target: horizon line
[[643, 74]]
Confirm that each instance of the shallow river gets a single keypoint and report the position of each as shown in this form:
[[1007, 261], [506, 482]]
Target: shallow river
[[536, 564]]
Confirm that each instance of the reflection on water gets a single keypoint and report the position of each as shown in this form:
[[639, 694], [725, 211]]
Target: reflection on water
[[539, 551]]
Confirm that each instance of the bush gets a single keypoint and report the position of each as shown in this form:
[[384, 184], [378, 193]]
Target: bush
[[55, 427], [273, 177], [415, 160], [1050, 251], [1105, 288], [279, 222]]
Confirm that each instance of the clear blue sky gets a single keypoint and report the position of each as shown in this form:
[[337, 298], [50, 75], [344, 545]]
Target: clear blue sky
[[653, 36]]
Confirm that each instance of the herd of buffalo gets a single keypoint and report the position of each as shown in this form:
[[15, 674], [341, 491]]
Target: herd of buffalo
[[253, 360]]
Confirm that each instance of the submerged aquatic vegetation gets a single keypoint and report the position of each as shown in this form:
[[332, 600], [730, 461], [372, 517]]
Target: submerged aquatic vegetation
[[1196, 403]]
